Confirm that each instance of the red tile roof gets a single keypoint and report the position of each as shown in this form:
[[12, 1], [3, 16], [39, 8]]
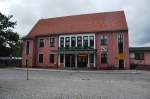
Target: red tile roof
[[97, 22]]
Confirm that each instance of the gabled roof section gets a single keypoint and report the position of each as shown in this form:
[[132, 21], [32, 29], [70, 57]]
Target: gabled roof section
[[97, 22]]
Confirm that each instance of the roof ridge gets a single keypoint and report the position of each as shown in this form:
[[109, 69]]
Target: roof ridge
[[82, 15]]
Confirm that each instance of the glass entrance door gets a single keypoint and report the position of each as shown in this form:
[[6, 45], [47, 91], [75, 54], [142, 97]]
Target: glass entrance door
[[69, 60], [121, 64], [82, 60]]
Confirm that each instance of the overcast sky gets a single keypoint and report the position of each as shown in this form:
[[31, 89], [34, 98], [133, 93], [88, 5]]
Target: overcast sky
[[28, 12]]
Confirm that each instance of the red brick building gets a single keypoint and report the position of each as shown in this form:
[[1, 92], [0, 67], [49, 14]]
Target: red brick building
[[140, 58], [98, 40]]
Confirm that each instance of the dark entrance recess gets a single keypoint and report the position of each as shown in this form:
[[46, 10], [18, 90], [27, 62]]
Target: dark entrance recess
[[82, 60], [69, 60], [121, 64]]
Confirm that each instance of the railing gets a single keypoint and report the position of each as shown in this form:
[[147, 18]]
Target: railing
[[75, 48]]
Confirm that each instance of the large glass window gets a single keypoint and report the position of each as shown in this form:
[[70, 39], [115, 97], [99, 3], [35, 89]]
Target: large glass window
[[92, 41], [139, 56], [27, 48], [91, 58], [104, 40], [41, 42], [62, 42], [73, 41], [104, 58], [52, 41], [79, 41], [51, 58], [61, 58], [40, 58], [120, 43], [85, 41], [67, 42]]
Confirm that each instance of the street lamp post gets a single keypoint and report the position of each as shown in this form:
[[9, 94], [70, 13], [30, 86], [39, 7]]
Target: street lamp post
[[70, 61], [27, 69], [27, 58]]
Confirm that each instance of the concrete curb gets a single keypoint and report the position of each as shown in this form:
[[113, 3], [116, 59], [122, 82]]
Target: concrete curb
[[84, 71]]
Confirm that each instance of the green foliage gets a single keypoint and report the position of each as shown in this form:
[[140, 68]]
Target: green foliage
[[8, 38], [18, 49]]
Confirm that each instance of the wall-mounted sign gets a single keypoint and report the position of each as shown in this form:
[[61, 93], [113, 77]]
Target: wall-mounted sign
[[120, 56], [82, 55], [104, 49]]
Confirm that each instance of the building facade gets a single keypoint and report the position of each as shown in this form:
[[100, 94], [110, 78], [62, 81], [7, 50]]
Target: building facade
[[97, 41], [140, 58]]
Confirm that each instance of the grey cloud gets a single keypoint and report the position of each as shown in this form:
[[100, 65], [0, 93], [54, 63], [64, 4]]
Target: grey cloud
[[28, 12]]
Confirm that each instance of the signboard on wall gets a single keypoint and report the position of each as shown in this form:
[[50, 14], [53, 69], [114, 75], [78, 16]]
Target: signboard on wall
[[120, 56], [104, 49]]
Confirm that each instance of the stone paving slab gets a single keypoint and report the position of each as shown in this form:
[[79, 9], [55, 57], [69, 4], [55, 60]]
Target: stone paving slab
[[73, 85]]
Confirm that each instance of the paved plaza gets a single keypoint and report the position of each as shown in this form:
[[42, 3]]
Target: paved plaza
[[55, 84]]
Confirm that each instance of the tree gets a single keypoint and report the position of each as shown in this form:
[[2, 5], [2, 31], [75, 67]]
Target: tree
[[18, 49], [8, 38]]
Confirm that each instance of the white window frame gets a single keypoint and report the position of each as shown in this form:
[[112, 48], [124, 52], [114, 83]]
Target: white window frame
[[103, 37], [39, 42], [49, 58], [83, 34], [132, 55], [54, 40], [38, 58]]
